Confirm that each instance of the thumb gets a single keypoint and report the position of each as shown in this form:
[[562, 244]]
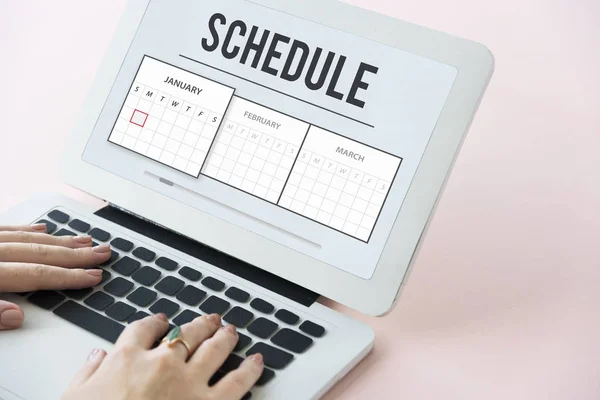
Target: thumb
[[11, 316], [92, 363]]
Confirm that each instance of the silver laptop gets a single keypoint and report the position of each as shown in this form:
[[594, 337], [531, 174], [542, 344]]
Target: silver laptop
[[254, 156]]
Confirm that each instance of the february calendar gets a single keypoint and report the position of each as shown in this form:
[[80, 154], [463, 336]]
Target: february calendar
[[199, 127], [171, 116]]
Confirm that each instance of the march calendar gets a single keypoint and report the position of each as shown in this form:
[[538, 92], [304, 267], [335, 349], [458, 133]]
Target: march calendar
[[201, 128]]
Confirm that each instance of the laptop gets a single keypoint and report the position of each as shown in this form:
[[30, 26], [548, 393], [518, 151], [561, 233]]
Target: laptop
[[254, 157]]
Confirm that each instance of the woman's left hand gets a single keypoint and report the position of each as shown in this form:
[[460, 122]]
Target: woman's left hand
[[32, 260]]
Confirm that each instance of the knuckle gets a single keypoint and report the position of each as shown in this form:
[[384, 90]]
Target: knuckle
[[23, 237], [39, 271], [127, 349], [39, 249], [215, 346], [166, 361], [239, 380]]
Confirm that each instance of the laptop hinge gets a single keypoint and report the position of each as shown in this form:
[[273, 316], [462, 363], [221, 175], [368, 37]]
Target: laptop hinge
[[207, 254]]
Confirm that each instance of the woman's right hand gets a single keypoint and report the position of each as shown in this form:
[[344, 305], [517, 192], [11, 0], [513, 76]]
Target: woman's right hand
[[136, 371]]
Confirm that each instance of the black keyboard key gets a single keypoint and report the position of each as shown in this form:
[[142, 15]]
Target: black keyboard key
[[292, 340], [232, 362], [113, 256], [146, 276], [287, 317], [165, 306], [105, 277], [312, 329], [262, 327], [243, 342], [272, 356], [99, 234], [239, 317], [216, 378], [213, 284], [142, 296], [65, 232], [50, 226], [126, 266], [185, 317], [167, 263], [77, 294], [214, 305], [265, 377], [118, 287], [99, 301], [190, 274], [237, 294], [58, 216], [144, 254], [46, 299], [120, 311], [79, 225], [262, 306], [122, 244], [89, 320], [170, 286], [191, 295], [137, 316]]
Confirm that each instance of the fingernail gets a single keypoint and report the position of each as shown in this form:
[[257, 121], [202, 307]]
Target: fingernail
[[11, 318], [93, 354], [162, 316], [39, 227], [215, 318], [103, 248], [94, 272], [231, 329], [256, 358], [82, 239]]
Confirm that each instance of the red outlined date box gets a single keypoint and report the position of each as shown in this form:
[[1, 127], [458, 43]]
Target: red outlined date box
[[139, 118]]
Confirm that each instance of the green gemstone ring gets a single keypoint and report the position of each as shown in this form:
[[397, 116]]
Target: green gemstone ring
[[174, 337]]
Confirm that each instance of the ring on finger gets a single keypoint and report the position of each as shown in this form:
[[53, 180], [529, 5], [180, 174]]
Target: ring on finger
[[173, 337]]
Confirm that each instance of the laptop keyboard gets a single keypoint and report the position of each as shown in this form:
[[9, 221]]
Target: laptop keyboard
[[134, 286]]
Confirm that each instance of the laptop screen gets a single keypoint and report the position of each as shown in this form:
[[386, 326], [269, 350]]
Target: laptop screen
[[303, 134]]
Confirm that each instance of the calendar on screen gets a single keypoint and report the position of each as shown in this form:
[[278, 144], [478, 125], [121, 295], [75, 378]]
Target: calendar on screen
[[339, 182], [199, 127], [171, 116]]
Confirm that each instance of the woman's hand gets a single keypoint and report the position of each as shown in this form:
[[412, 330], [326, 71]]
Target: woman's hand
[[135, 371], [32, 260]]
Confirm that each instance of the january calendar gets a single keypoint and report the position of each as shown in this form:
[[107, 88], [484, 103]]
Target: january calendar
[[171, 116]]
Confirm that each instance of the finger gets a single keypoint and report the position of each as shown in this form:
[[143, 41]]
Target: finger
[[11, 316], [144, 332], [213, 353], [26, 228], [194, 333], [54, 255], [19, 277], [91, 365], [238, 382], [73, 242]]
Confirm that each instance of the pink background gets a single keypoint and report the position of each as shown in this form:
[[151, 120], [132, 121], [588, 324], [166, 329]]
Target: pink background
[[504, 301]]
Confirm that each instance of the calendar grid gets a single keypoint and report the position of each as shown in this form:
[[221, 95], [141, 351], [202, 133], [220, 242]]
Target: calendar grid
[[335, 194], [164, 126], [293, 165]]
